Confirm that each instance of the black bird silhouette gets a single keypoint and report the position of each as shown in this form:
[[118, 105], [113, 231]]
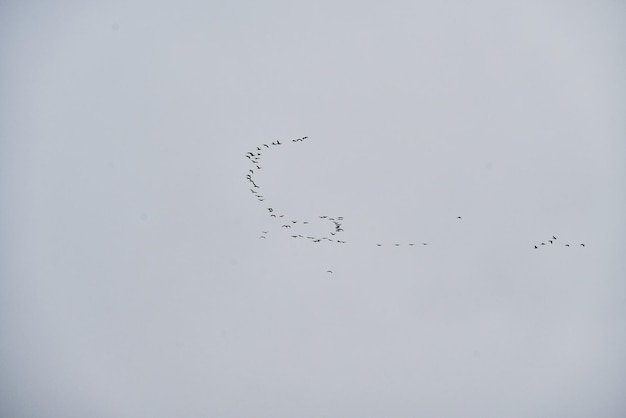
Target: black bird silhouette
[[286, 226], [543, 243], [550, 241], [293, 222], [266, 145], [305, 222], [411, 245], [258, 167], [397, 245], [329, 271], [273, 215], [582, 245], [258, 149], [270, 209], [553, 237], [567, 245], [458, 217], [424, 243], [379, 244], [536, 246], [277, 142]]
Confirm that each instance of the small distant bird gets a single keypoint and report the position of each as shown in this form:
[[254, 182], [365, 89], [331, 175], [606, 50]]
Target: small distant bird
[[304, 137], [582, 245], [258, 167], [411, 245], [424, 243], [270, 209], [567, 245], [397, 245], [543, 243], [305, 222], [536, 246], [294, 222], [273, 215], [262, 236], [258, 149], [277, 142], [458, 217], [294, 236], [550, 241], [281, 216], [553, 237], [286, 226], [316, 240], [379, 244], [265, 232], [329, 271], [266, 145], [322, 217]]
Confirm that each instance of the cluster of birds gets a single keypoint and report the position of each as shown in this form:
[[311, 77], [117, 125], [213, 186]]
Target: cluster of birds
[[335, 232], [551, 241]]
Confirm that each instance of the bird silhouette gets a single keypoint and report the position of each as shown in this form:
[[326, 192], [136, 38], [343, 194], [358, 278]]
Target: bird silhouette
[[536, 246], [567, 245], [553, 237], [266, 145], [286, 226], [543, 243], [379, 244], [411, 245], [550, 241], [582, 245], [458, 217], [329, 271]]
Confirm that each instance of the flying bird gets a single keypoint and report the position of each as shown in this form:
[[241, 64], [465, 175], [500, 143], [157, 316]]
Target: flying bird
[[536, 246], [567, 245], [329, 271], [553, 237], [582, 245], [286, 226], [550, 241]]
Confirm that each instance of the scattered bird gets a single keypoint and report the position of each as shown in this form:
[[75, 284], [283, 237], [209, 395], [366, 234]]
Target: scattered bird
[[567, 245], [286, 226], [543, 243], [294, 222], [379, 244], [582, 245], [411, 245], [458, 217], [329, 271], [424, 243], [266, 145], [536, 246], [550, 241], [553, 237]]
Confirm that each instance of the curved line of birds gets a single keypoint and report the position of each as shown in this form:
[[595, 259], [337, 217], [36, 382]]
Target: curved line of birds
[[288, 224]]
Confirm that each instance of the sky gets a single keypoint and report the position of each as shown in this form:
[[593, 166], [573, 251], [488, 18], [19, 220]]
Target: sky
[[140, 275]]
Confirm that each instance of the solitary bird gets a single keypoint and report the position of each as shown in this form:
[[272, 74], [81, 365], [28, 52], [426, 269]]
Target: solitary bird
[[286, 226], [411, 245], [424, 243], [379, 244], [567, 245], [543, 243], [329, 271], [458, 217], [397, 245], [553, 237], [582, 245]]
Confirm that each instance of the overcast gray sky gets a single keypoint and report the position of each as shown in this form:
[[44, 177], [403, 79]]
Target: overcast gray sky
[[133, 279]]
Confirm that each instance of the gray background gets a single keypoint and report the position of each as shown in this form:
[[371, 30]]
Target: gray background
[[133, 282]]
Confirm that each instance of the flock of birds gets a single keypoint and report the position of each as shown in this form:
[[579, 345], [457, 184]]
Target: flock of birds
[[334, 234], [551, 241]]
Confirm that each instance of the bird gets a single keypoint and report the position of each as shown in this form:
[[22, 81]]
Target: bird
[[294, 236], [553, 237], [543, 243], [273, 215], [550, 241], [270, 209], [265, 232], [262, 236], [424, 243], [329, 271], [258, 149], [567, 245], [582, 245], [411, 244], [379, 245], [277, 142], [266, 145], [458, 217], [316, 240], [258, 167], [294, 222], [397, 245], [286, 226], [305, 222], [536, 246]]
